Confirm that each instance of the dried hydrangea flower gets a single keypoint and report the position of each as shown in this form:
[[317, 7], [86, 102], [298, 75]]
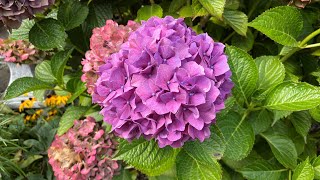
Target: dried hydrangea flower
[[12, 12], [103, 42], [299, 3], [84, 152], [166, 82], [19, 51]]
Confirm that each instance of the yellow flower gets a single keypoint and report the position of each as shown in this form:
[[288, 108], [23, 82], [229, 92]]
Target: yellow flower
[[56, 100], [51, 114], [27, 104]]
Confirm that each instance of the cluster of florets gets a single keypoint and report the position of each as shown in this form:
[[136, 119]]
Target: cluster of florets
[[166, 82], [19, 51], [84, 152], [12, 12], [104, 41]]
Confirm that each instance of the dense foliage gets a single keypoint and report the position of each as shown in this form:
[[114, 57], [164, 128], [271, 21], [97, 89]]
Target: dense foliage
[[85, 51]]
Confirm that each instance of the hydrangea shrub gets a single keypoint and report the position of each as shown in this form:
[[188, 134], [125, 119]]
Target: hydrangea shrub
[[84, 152], [166, 82]]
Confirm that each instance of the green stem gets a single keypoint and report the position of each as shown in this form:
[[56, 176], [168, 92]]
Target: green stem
[[289, 178], [302, 44]]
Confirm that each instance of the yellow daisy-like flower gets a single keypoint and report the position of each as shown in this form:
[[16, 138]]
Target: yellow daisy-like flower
[[27, 104], [51, 114], [56, 100]]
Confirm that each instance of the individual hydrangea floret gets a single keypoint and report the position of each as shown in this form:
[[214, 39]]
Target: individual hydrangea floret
[[19, 51], [84, 152], [12, 12], [104, 41], [166, 82]]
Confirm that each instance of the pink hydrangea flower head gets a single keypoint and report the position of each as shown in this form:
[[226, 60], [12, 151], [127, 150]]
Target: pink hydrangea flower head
[[166, 82], [19, 51], [84, 152], [103, 42]]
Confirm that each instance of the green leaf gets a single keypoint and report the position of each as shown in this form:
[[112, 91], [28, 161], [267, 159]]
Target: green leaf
[[43, 72], [216, 144], [238, 134], [22, 33], [243, 42], [277, 115], [237, 20], [260, 121], [290, 96], [271, 71], [124, 175], [186, 11], [282, 24], [146, 156], [198, 9], [232, 4], [24, 85], [47, 34], [175, 5], [30, 159], [79, 89], [301, 121], [195, 164], [58, 63], [72, 113], [99, 12], [244, 73], [72, 13], [283, 149], [262, 169], [214, 7], [304, 171], [145, 12], [315, 113], [316, 167]]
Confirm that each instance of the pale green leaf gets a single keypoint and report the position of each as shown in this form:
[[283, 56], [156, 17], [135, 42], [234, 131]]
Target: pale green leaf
[[244, 73], [290, 96], [72, 13], [22, 33], [282, 24], [238, 134], [198, 9], [146, 156], [48, 34], [262, 169], [277, 115], [194, 164], [214, 7], [145, 12], [283, 149], [58, 63], [304, 171], [315, 113], [301, 121], [72, 113], [237, 20], [186, 11], [271, 71], [44, 73], [24, 85]]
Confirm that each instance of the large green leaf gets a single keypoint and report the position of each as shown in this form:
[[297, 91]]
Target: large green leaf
[[262, 169], [146, 156], [198, 9], [244, 73], [237, 20], [316, 167], [238, 134], [216, 144], [58, 63], [214, 7], [271, 71], [145, 12], [72, 113], [290, 96], [175, 5], [283, 149], [304, 171], [315, 113], [22, 33], [72, 13], [243, 42], [47, 34], [301, 121], [282, 24], [260, 121], [195, 163], [24, 85], [44, 73]]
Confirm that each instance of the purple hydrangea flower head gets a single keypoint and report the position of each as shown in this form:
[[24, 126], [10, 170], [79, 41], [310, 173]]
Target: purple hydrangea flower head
[[166, 82]]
